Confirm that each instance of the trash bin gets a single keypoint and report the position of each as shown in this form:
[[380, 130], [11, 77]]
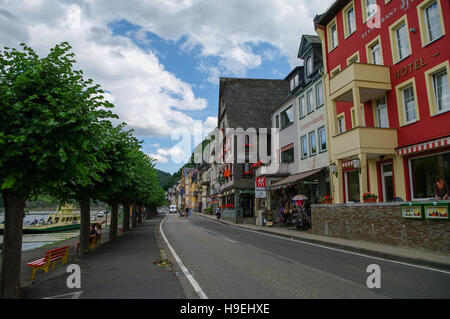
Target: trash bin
[[437, 210], [412, 210]]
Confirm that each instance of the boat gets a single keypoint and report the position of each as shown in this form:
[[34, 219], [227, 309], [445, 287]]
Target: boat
[[63, 219]]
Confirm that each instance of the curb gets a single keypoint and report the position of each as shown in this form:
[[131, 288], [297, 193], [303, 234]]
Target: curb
[[370, 252]]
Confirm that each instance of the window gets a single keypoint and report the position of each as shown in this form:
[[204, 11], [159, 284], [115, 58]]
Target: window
[[431, 21], [409, 104], [354, 58], [304, 146], [302, 106], [277, 121], [382, 113], [374, 52], [400, 42], [408, 111], [371, 8], [322, 139], [312, 144], [319, 94], [438, 88], [424, 170], [349, 20], [294, 82], [309, 66], [287, 117], [310, 101], [332, 35], [441, 91], [287, 156], [341, 124]]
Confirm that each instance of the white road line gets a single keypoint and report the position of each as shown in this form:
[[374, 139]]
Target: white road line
[[334, 249], [75, 295], [186, 272]]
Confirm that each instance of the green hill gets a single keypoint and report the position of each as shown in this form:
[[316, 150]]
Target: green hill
[[164, 179]]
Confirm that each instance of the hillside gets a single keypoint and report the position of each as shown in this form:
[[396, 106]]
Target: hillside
[[164, 179]]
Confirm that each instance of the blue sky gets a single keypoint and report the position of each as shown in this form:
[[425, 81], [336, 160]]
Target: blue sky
[[160, 60]]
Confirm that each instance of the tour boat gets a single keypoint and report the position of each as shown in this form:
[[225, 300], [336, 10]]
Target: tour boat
[[61, 220]]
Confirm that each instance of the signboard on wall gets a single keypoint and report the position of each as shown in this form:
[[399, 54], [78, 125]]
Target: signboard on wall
[[260, 187]]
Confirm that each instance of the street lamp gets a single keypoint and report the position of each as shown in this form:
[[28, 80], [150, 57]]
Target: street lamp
[[357, 164]]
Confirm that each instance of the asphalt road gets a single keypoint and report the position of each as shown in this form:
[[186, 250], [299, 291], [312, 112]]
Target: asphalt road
[[228, 262]]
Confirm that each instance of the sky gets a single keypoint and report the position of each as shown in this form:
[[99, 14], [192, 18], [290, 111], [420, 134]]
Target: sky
[[160, 60]]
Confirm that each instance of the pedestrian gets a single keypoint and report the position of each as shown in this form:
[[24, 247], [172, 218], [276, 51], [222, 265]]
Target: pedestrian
[[180, 214], [189, 212], [98, 238], [441, 189], [186, 212], [218, 214]]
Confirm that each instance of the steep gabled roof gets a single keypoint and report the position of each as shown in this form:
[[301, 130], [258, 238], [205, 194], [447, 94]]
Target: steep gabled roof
[[307, 42], [249, 102]]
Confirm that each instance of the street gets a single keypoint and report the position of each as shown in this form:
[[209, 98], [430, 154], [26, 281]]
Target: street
[[229, 262]]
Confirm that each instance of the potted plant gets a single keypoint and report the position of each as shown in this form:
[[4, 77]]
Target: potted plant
[[327, 199], [369, 197]]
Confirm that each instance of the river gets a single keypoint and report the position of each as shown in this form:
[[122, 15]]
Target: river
[[32, 241]]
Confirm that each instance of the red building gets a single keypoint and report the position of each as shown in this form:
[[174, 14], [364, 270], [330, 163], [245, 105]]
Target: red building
[[391, 60]]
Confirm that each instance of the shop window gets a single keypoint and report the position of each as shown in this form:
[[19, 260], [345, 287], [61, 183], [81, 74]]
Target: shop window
[[400, 41], [302, 106], [431, 21], [425, 170], [287, 117], [319, 95], [374, 51]]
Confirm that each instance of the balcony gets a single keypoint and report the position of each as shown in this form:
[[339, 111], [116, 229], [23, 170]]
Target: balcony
[[371, 80], [372, 141]]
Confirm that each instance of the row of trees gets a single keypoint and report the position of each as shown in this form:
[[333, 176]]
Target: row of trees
[[57, 139]]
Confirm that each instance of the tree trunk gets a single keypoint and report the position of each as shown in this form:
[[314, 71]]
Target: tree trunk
[[85, 212], [139, 215], [12, 245], [133, 217], [126, 217], [114, 218]]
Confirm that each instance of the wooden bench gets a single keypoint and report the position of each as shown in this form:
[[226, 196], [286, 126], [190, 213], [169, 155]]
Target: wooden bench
[[54, 255]]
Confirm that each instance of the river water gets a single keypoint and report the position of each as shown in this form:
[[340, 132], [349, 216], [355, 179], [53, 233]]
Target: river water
[[32, 241]]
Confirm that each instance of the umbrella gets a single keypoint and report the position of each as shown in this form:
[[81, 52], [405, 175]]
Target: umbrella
[[299, 197]]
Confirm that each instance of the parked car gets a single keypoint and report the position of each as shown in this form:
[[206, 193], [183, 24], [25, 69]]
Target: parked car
[[173, 209]]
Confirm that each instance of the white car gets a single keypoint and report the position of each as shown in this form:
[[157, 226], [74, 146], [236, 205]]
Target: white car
[[173, 209]]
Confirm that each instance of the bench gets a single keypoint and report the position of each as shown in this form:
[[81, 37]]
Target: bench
[[58, 254]]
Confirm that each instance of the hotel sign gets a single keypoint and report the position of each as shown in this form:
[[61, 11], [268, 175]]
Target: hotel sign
[[416, 65]]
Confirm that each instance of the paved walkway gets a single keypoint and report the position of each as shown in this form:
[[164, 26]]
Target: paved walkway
[[404, 254], [123, 268]]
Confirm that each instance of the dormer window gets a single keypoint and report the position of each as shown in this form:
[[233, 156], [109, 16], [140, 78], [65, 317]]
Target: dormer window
[[309, 66], [294, 82]]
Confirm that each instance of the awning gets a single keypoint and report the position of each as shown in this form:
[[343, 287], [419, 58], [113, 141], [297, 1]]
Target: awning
[[442, 142], [295, 178]]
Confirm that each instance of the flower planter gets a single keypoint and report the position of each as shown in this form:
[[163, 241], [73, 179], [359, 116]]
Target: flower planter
[[370, 200], [327, 202]]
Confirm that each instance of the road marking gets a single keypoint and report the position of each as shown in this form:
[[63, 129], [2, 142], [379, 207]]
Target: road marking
[[75, 295], [186, 272], [334, 249]]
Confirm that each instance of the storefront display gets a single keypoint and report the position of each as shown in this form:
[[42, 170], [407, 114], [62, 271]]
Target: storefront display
[[436, 210], [413, 211]]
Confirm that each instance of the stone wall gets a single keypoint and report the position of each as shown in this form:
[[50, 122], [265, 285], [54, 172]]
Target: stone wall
[[380, 223]]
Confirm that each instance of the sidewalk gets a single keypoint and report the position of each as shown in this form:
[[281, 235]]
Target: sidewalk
[[403, 254], [124, 268]]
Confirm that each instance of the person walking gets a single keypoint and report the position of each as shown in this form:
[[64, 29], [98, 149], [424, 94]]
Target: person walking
[[218, 214], [186, 213]]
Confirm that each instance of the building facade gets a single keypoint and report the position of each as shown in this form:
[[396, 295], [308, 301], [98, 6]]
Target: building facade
[[386, 66]]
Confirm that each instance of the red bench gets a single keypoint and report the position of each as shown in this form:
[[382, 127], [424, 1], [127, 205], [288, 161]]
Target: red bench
[[54, 255]]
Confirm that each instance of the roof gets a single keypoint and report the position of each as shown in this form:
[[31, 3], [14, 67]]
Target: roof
[[248, 102], [332, 11], [308, 40]]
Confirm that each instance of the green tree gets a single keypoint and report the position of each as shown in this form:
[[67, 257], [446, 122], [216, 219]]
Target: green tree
[[47, 112]]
